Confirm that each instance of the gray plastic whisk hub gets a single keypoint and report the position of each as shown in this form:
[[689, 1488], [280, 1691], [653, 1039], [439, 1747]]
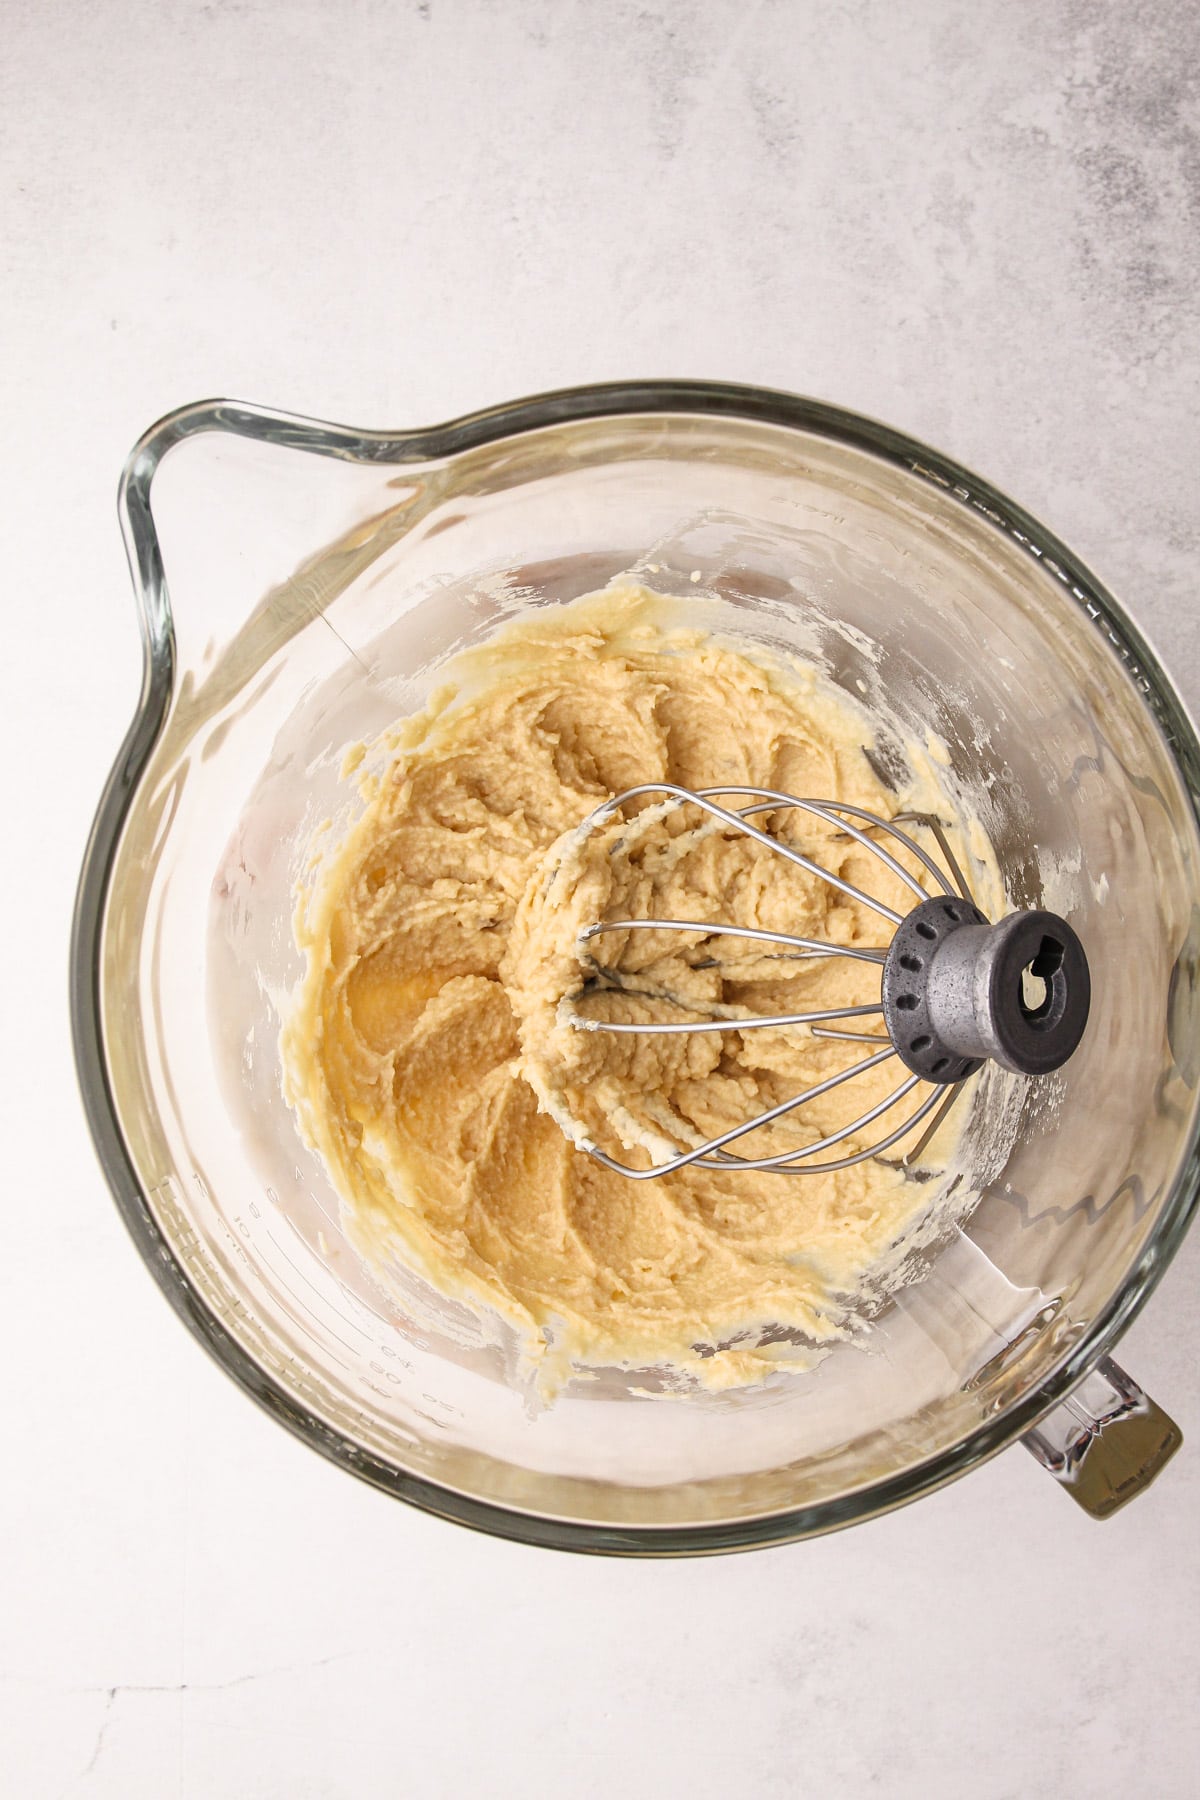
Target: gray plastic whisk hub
[[957, 990]]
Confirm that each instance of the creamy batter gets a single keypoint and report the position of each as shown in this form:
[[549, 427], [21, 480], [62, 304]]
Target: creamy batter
[[430, 1054]]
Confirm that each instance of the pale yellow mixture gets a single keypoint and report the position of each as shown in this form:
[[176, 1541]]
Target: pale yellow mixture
[[430, 1055]]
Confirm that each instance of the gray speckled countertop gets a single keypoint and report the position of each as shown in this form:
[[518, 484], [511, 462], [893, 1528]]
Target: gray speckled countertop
[[979, 223]]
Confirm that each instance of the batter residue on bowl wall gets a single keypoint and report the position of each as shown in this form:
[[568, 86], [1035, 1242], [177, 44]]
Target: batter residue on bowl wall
[[427, 1059]]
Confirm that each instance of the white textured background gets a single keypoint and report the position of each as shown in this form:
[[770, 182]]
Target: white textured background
[[979, 222]]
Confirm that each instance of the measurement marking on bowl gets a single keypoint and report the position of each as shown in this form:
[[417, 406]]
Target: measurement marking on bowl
[[354, 1349], [312, 1194], [306, 1321], [294, 1371], [166, 1192], [357, 1304], [378, 1369], [186, 1242], [231, 1306], [334, 1360], [445, 1406], [374, 1388], [234, 1245], [370, 1424]]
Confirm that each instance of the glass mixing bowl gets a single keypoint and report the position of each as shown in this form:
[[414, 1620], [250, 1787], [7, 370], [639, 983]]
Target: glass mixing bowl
[[317, 577]]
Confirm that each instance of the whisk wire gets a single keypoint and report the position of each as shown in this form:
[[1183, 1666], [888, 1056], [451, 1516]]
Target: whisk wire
[[728, 1022], [787, 1159], [768, 1117], [914, 1150], [831, 810], [868, 1155], [713, 1153], [934, 825], [684, 796], [814, 946]]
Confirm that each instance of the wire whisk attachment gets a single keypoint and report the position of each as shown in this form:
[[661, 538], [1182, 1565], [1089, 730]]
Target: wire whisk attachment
[[954, 990]]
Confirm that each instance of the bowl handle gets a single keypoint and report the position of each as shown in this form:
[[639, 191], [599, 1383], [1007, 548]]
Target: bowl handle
[[1106, 1441]]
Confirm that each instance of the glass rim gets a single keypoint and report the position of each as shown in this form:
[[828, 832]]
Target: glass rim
[[471, 431]]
